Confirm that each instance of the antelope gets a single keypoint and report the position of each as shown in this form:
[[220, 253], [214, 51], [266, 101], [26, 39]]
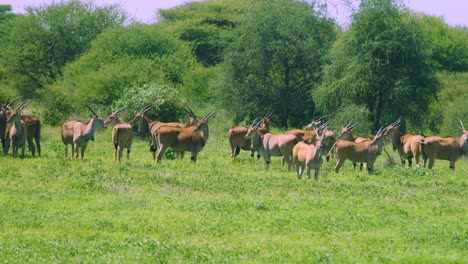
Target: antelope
[[78, 133], [364, 152], [3, 119], [150, 127], [308, 156], [448, 148], [121, 134], [307, 134], [347, 134], [180, 139], [272, 145], [237, 141], [16, 131], [407, 145], [32, 123]]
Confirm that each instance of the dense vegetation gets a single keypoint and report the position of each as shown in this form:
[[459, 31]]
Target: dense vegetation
[[247, 57], [243, 59]]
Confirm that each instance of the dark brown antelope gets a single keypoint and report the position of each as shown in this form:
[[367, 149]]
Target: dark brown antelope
[[122, 134], [448, 148], [308, 157], [237, 140], [363, 152], [181, 139], [78, 133], [4, 110], [272, 145], [16, 131], [33, 127], [407, 145]]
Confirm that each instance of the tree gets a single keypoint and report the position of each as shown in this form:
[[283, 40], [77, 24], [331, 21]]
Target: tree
[[119, 58], [380, 63], [35, 47], [206, 25], [5, 12], [275, 61], [448, 46]]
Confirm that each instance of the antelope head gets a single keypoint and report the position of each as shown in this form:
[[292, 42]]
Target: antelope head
[[113, 117], [315, 124], [97, 122], [378, 136], [393, 127], [252, 130], [347, 130], [15, 115], [141, 114]]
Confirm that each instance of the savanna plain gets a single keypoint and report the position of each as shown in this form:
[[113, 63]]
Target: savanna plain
[[55, 210]]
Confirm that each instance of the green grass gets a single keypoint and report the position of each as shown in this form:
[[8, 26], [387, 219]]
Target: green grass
[[218, 210]]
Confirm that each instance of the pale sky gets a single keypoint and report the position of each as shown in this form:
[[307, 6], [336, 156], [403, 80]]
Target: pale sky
[[454, 12]]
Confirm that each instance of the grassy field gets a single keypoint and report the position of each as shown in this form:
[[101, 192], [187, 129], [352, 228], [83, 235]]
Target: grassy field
[[218, 210]]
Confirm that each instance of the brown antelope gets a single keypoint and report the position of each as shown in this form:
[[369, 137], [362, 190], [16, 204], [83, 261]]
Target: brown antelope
[[78, 133], [448, 148], [307, 134], [407, 145], [308, 157], [364, 152], [180, 139], [16, 131], [122, 134], [149, 127], [237, 140], [33, 125], [347, 134], [3, 119], [272, 145]]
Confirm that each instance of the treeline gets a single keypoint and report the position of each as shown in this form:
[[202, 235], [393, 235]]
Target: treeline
[[248, 57]]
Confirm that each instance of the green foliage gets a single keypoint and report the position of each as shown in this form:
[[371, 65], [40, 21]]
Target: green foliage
[[196, 85], [381, 63], [162, 97], [119, 58], [5, 12], [448, 46], [34, 48], [207, 26], [275, 61], [450, 106]]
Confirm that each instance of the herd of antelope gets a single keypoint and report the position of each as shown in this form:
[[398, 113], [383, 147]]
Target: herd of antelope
[[301, 149]]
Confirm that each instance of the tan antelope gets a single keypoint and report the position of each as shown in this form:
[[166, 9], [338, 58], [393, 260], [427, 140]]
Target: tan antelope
[[448, 148], [122, 134], [149, 127], [16, 131], [272, 145], [307, 134], [181, 139], [407, 145], [309, 157], [237, 140], [363, 152], [347, 134], [78, 133]]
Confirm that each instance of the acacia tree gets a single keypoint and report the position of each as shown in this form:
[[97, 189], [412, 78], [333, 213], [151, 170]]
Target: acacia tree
[[35, 47], [276, 60], [380, 64]]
